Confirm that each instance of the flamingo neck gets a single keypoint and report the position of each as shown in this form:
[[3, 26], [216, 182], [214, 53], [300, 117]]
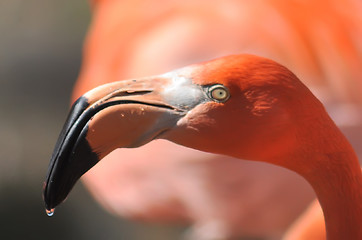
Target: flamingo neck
[[338, 189], [331, 166]]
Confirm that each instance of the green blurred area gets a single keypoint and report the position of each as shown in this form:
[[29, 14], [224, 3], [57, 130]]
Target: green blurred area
[[40, 55]]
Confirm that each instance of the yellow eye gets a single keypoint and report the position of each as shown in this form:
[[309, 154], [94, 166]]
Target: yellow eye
[[219, 93]]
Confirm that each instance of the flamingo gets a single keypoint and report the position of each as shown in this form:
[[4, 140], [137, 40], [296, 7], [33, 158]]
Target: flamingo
[[242, 106], [144, 30]]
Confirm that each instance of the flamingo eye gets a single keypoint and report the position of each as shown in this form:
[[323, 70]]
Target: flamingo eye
[[219, 93]]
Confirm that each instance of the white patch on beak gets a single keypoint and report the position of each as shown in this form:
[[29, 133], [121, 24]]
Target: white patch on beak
[[182, 92]]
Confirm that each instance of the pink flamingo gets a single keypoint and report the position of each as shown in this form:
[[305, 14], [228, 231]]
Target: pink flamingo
[[179, 33]]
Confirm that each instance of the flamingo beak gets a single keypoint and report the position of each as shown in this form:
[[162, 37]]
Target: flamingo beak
[[124, 114]]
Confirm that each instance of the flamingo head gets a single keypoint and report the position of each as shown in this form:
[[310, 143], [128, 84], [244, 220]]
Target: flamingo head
[[242, 105]]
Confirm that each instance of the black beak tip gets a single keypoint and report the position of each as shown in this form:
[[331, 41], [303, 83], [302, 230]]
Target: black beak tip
[[67, 167], [72, 156]]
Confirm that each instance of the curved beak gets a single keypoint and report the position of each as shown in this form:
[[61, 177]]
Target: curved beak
[[122, 114]]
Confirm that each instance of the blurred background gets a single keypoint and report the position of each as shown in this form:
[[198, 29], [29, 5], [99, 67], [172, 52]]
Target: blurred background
[[40, 54], [40, 58]]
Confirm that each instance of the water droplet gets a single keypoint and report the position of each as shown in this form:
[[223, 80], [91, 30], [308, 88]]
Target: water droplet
[[50, 212]]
